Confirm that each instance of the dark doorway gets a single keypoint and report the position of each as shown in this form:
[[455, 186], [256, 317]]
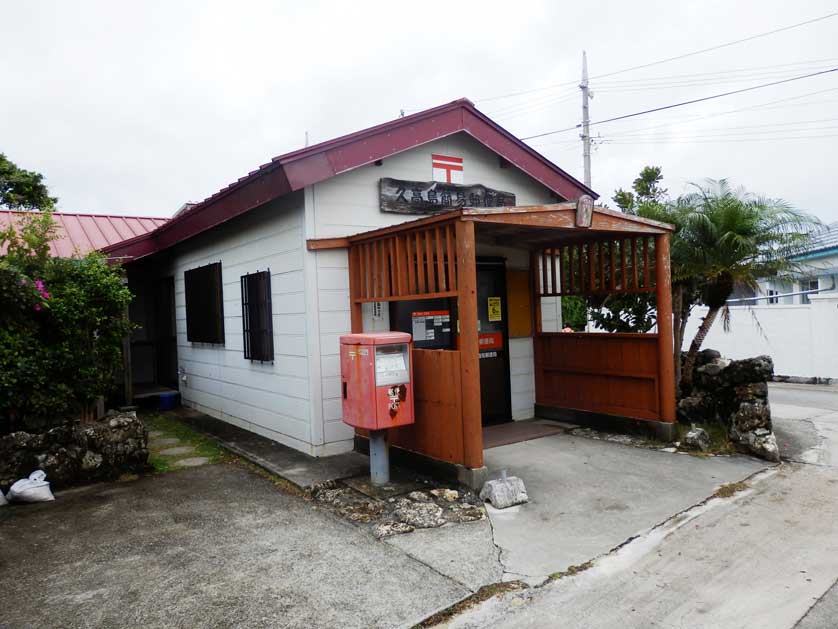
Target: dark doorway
[[495, 394], [165, 340]]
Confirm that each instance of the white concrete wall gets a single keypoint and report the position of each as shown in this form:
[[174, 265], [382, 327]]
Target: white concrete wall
[[349, 204], [802, 339], [271, 399]]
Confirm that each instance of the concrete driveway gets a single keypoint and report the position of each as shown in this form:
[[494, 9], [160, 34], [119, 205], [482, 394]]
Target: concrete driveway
[[766, 557], [215, 546], [587, 496]]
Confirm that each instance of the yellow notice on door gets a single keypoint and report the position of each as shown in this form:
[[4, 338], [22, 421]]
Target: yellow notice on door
[[494, 309]]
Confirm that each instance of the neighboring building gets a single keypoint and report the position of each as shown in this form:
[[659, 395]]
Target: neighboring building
[[819, 272], [79, 234], [794, 321], [242, 297]]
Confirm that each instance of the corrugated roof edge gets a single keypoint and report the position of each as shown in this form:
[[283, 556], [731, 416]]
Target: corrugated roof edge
[[302, 179]]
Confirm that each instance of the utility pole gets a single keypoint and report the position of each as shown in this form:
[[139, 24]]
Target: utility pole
[[586, 121]]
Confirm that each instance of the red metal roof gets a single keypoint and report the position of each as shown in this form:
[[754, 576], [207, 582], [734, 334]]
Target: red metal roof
[[79, 234], [298, 169]]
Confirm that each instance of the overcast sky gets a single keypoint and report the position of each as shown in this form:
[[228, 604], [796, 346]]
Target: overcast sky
[[135, 108]]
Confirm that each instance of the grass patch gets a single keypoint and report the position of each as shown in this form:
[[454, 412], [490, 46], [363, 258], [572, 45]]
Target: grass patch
[[171, 427], [720, 442], [571, 571], [483, 594], [729, 489]]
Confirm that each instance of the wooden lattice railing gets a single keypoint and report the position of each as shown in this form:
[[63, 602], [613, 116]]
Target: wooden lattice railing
[[615, 265], [420, 263]]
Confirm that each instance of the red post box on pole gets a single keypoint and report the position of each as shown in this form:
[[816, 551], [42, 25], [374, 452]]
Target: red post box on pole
[[377, 389]]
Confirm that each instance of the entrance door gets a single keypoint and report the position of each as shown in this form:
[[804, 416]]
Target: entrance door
[[495, 397], [166, 334]]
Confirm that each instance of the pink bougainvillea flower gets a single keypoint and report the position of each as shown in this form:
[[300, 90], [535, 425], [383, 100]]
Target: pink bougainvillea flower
[[40, 285], [37, 307], [45, 295]]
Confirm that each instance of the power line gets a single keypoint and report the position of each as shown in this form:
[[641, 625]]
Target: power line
[[720, 46], [789, 123], [723, 140], [771, 104], [660, 61], [764, 76], [535, 103], [773, 66], [687, 102]]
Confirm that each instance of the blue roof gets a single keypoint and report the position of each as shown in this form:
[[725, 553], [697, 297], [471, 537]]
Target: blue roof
[[824, 240]]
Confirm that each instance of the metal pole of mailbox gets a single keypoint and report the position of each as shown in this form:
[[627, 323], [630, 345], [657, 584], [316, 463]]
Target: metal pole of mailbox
[[379, 458]]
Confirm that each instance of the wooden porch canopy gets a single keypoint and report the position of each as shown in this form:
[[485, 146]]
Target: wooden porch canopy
[[435, 257]]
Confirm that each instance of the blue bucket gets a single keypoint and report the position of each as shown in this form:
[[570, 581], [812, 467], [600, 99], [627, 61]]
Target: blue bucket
[[168, 401]]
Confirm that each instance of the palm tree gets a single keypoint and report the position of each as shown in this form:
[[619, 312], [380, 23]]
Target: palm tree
[[684, 295], [731, 238]]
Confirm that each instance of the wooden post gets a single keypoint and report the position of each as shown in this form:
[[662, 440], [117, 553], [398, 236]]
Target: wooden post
[[666, 360], [469, 345], [355, 308], [127, 375], [535, 295]]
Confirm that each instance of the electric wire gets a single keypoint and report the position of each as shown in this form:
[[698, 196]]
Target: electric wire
[[660, 61], [683, 103]]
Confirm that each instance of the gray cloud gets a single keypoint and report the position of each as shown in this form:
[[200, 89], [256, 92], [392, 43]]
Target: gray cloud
[[137, 107]]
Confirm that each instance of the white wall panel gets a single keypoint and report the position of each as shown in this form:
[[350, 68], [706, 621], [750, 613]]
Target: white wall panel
[[270, 398]]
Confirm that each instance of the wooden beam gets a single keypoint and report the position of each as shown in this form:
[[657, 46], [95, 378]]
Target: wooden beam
[[420, 262], [634, 273], [355, 307], [440, 260], [450, 258], [398, 274], [317, 244], [469, 345], [413, 297], [666, 358], [429, 262], [381, 232]]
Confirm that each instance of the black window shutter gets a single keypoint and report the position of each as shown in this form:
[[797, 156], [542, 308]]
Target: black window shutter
[[257, 316], [204, 304]]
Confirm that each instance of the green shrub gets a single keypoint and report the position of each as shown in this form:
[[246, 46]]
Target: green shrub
[[62, 325]]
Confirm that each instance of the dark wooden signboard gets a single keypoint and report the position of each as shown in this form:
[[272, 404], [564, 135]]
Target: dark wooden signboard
[[431, 197]]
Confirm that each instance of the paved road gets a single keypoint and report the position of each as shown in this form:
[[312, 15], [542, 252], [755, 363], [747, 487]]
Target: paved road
[[215, 546], [767, 557]]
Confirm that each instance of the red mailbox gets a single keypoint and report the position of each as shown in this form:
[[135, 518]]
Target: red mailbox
[[376, 370]]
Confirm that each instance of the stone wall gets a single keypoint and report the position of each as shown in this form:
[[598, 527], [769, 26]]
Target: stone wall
[[733, 393], [75, 453]]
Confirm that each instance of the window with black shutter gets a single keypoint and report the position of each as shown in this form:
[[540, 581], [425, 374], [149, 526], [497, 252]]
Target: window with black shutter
[[257, 320], [204, 304]]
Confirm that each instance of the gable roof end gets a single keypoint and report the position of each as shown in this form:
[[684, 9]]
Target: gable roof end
[[304, 167]]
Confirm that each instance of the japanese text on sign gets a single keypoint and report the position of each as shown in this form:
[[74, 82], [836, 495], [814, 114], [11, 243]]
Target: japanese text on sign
[[430, 197]]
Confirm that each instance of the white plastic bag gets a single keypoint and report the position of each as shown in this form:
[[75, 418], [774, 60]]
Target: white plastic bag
[[32, 489], [3, 501]]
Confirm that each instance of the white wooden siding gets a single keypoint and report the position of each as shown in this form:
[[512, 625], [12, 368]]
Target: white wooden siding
[[271, 399], [349, 204]]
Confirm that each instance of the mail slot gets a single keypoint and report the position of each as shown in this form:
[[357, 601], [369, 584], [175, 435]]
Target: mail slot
[[376, 387]]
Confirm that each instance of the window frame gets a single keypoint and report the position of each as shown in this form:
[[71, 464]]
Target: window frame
[[260, 348], [204, 292]]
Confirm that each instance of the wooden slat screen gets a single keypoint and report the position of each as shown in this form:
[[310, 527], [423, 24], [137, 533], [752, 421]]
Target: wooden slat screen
[[614, 374], [597, 267], [419, 263]]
